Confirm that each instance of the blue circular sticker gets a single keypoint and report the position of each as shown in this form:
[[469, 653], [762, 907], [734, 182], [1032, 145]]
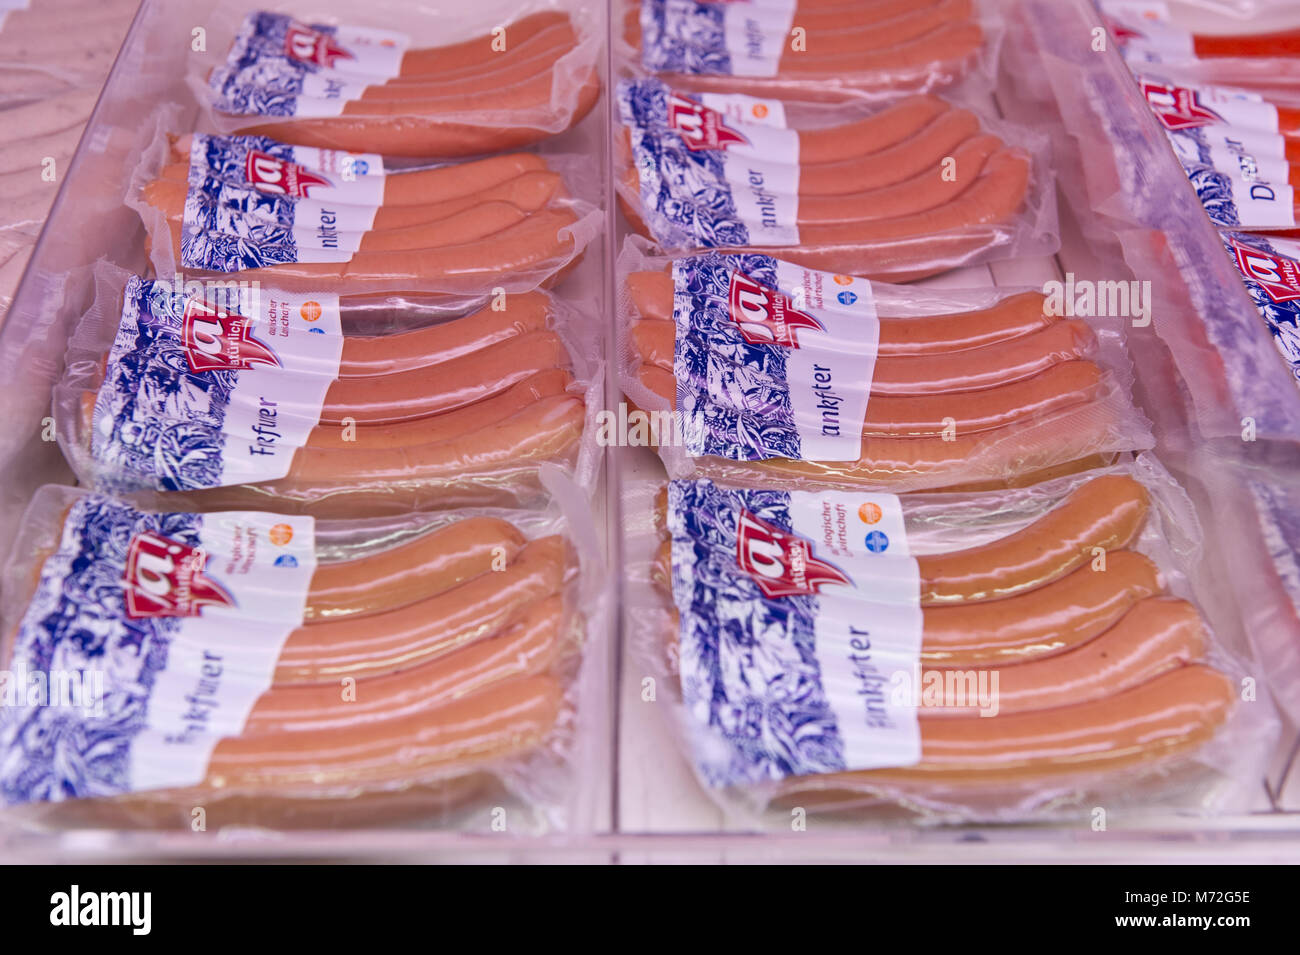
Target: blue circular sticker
[[877, 542], [286, 560], [360, 167], [316, 331], [847, 298]]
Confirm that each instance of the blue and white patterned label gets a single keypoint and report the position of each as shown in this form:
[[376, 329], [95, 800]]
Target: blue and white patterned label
[[315, 224], [1270, 267], [736, 38], [1236, 188], [711, 121], [176, 619], [713, 198], [1245, 156], [278, 66], [203, 392], [228, 227], [769, 361], [294, 172], [799, 619]]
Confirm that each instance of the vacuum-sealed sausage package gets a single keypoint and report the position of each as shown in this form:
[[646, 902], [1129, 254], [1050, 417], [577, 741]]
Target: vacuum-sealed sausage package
[[356, 87], [263, 668], [916, 187], [1149, 39], [965, 656], [759, 370], [312, 219], [1270, 269], [823, 51], [242, 396]]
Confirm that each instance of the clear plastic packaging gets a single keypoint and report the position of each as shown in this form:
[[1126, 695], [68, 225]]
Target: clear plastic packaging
[[924, 427], [1113, 160], [774, 49], [483, 615], [919, 187], [366, 430], [403, 94], [239, 230], [1208, 769], [1202, 367]]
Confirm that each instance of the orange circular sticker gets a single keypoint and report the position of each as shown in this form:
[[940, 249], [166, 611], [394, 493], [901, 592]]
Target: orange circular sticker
[[310, 311], [760, 110], [843, 279], [281, 534], [870, 513]]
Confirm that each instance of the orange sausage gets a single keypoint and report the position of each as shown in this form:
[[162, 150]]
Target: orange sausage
[[1106, 512], [414, 128], [538, 53], [500, 722], [851, 40], [888, 127], [946, 43], [449, 424], [417, 186], [945, 372], [1048, 620], [938, 56], [528, 192], [1059, 387], [1016, 315], [993, 197], [471, 225], [1010, 318], [988, 365], [494, 466], [535, 242], [547, 430], [815, 18], [854, 30], [428, 629], [475, 53], [1157, 634], [432, 100], [367, 356], [940, 184], [401, 575], [885, 461], [892, 125], [1056, 389], [526, 648], [461, 381], [1169, 714]]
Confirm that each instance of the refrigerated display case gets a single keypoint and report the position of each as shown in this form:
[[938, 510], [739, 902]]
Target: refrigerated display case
[[1224, 413]]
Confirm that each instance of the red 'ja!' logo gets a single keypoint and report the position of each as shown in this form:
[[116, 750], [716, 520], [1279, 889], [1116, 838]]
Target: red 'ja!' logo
[[165, 578], [306, 45], [1279, 277], [216, 340], [1178, 107], [781, 563], [272, 174], [766, 316], [699, 126]]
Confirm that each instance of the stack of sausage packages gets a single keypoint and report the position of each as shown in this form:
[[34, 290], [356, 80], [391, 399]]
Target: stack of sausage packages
[[914, 550], [1231, 112], [330, 559]]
